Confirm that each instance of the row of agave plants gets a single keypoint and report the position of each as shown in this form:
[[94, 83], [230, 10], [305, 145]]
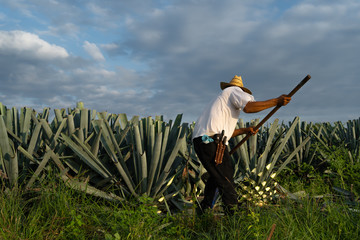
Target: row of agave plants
[[116, 158]]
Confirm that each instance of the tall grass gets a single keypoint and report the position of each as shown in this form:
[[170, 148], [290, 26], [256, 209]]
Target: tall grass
[[52, 210], [49, 212], [57, 212]]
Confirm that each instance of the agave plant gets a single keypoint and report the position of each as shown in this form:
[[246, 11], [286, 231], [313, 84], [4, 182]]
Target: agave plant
[[140, 156], [92, 152], [156, 162], [16, 131], [109, 156], [255, 172], [339, 135], [193, 182]]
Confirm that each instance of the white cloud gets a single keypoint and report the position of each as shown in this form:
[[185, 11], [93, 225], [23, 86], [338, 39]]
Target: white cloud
[[97, 10], [27, 45], [93, 51], [110, 46], [66, 29]]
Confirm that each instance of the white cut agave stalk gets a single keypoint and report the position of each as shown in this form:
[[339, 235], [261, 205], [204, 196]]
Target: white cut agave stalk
[[258, 195], [258, 173]]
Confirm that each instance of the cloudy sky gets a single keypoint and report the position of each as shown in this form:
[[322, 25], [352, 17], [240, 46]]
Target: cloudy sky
[[164, 57]]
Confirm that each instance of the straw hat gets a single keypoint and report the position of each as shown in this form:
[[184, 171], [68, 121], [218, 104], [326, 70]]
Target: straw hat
[[236, 81]]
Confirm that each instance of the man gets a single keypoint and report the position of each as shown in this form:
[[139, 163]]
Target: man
[[221, 115]]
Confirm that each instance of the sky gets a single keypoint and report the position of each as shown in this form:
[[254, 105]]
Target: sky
[[168, 57]]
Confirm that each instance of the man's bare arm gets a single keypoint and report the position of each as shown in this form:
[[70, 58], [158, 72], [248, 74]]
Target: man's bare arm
[[241, 131], [253, 107]]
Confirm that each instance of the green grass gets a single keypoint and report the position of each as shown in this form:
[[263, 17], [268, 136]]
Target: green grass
[[57, 212], [54, 211]]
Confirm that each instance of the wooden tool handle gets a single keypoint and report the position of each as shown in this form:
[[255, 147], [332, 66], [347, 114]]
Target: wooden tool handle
[[307, 78]]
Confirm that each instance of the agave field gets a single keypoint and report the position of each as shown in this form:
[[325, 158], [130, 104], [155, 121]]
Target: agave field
[[146, 162]]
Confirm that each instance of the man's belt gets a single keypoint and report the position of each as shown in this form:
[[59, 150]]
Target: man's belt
[[220, 139]]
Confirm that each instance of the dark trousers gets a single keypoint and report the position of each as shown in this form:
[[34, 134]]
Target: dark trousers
[[220, 176]]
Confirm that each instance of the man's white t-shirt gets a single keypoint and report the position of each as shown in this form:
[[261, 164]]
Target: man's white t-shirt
[[223, 113]]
